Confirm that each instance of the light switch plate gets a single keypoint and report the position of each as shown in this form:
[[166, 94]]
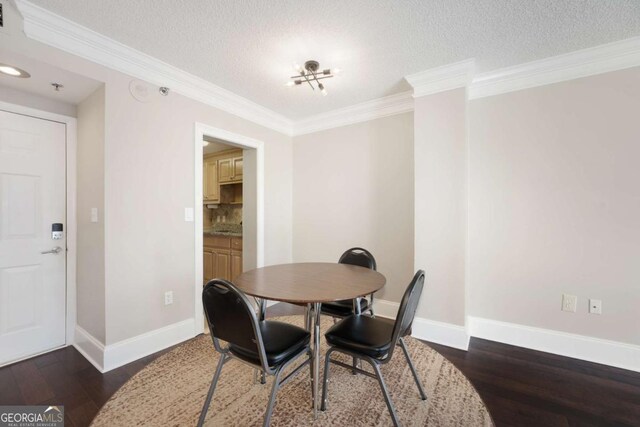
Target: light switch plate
[[94, 214], [188, 214]]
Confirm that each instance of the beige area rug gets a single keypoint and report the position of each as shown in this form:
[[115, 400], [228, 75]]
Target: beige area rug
[[171, 390]]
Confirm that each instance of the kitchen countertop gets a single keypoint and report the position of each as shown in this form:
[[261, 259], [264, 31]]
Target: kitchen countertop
[[221, 233]]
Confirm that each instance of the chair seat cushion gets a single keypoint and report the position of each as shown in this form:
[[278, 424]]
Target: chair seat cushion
[[362, 334], [281, 341], [342, 308]]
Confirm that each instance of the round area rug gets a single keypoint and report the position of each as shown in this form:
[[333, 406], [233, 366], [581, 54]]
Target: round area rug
[[170, 391]]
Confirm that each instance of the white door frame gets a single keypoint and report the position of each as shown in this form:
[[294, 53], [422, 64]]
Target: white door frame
[[240, 141], [71, 148]]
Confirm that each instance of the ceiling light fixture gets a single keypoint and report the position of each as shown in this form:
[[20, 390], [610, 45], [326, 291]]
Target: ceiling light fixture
[[12, 71], [311, 73]]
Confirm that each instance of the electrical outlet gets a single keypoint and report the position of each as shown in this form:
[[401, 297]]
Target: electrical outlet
[[569, 303], [595, 306], [168, 298]]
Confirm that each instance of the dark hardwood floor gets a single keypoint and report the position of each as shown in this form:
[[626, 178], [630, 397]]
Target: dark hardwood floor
[[520, 387]]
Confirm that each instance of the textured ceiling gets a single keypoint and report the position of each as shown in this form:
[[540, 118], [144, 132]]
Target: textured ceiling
[[248, 46]]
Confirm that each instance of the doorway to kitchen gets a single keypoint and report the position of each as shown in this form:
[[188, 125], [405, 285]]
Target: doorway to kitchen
[[229, 208]]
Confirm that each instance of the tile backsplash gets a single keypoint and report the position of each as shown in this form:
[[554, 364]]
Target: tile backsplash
[[233, 214]]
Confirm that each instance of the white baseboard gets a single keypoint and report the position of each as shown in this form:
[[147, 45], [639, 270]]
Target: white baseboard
[[126, 351], [90, 347], [612, 353], [448, 334], [106, 358]]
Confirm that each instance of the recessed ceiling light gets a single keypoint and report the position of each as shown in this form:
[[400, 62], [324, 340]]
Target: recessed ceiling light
[[205, 143], [12, 71]]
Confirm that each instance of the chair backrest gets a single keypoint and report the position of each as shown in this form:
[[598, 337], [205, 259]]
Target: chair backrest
[[358, 256], [231, 317], [407, 310]]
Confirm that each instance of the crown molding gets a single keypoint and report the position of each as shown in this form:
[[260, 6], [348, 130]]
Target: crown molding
[[370, 110], [46, 27], [440, 79], [54, 30], [581, 63]]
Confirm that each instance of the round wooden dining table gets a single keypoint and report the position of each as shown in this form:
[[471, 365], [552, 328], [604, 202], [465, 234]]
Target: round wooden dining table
[[310, 283]]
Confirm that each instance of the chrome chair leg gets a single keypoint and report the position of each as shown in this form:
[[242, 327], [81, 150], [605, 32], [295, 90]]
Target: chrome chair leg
[[262, 314], [212, 388], [308, 313], [385, 393], [317, 356], [413, 369], [272, 398], [313, 393], [327, 361]]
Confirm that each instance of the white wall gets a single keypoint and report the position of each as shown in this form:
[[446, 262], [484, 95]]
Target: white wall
[[555, 205], [90, 271], [441, 203], [353, 186]]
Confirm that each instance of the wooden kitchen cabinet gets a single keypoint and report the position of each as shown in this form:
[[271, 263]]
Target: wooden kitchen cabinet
[[230, 169], [207, 262], [217, 264], [224, 167], [210, 185], [222, 264], [222, 257], [236, 264]]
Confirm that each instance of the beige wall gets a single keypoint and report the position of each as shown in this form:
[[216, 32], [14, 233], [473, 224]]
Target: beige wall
[[148, 181], [90, 284], [555, 205], [440, 157], [553, 201], [30, 100], [353, 186]]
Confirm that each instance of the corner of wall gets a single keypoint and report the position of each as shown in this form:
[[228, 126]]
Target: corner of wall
[[442, 333]]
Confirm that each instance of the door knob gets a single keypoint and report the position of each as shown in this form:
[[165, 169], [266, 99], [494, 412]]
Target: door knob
[[55, 250]]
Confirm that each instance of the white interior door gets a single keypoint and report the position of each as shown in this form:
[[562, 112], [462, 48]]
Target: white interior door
[[32, 198]]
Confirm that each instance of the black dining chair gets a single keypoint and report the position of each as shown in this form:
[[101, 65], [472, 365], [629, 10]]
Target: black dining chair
[[267, 345], [373, 340], [344, 308]]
